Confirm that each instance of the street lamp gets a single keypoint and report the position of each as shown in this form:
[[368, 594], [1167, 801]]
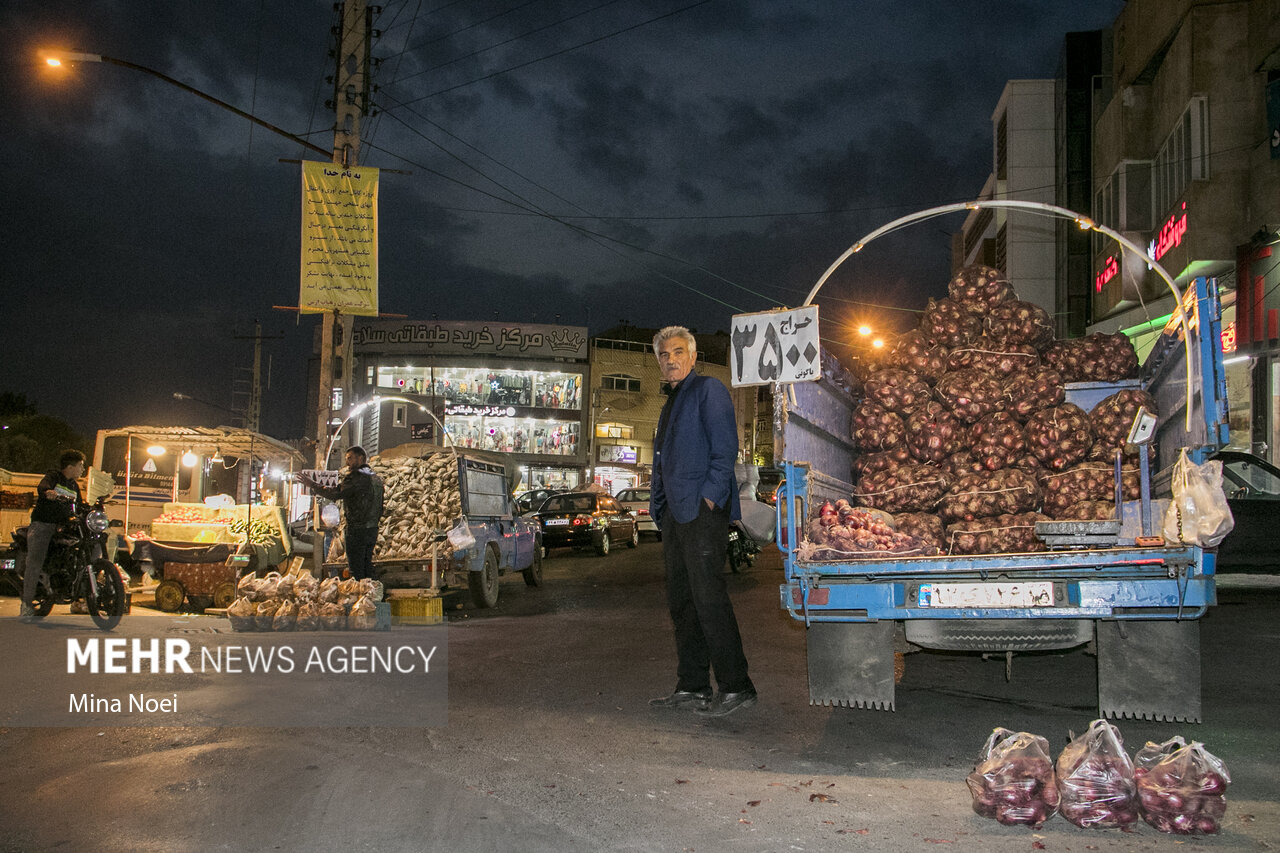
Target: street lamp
[[59, 58]]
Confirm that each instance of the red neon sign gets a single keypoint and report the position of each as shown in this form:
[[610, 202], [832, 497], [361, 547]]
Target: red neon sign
[[1109, 270], [1229, 338], [1171, 234]]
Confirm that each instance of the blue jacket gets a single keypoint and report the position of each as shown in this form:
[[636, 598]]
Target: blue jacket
[[696, 458]]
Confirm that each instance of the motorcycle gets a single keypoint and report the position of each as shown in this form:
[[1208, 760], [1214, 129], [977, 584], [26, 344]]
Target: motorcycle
[[742, 548], [75, 568]]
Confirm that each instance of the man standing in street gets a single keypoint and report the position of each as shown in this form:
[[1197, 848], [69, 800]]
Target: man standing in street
[[693, 498], [360, 491]]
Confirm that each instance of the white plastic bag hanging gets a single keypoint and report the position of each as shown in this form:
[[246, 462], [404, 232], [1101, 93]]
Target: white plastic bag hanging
[[1198, 513], [460, 536]]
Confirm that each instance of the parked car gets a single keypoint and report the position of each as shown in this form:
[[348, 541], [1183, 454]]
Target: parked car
[[767, 490], [531, 501], [1252, 485], [637, 500], [586, 519]]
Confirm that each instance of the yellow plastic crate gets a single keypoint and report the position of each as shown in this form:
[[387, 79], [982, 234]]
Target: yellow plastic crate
[[416, 611]]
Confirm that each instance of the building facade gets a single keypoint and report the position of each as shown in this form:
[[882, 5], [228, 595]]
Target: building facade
[[1186, 161], [510, 388], [1022, 156]]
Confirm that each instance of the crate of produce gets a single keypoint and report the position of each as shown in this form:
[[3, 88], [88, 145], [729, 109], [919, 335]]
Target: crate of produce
[[416, 611]]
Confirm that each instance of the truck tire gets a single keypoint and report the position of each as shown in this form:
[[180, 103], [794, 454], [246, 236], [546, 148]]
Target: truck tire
[[484, 583], [533, 574]]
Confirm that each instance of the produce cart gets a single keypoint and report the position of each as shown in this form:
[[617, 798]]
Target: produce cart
[[199, 551]]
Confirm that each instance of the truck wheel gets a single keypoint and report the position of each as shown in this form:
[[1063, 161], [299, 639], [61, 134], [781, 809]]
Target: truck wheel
[[484, 583], [533, 574], [602, 544]]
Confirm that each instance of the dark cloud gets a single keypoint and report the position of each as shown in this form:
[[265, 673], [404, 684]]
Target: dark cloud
[[738, 147]]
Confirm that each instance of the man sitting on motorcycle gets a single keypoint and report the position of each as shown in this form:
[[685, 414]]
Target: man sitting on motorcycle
[[56, 500]]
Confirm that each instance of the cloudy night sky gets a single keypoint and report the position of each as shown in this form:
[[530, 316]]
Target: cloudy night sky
[[571, 161]]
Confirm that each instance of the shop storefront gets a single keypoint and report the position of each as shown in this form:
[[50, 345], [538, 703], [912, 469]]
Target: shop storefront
[[505, 388]]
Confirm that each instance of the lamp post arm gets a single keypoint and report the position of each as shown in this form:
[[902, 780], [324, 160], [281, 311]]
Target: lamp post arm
[[110, 60]]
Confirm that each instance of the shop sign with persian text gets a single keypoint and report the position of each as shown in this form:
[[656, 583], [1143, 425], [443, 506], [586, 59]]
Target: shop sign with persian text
[[775, 346]]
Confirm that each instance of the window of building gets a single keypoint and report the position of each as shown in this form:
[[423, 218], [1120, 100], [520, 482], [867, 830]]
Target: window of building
[[1002, 147], [611, 430], [620, 382], [1123, 202], [1184, 156], [399, 415], [479, 386]]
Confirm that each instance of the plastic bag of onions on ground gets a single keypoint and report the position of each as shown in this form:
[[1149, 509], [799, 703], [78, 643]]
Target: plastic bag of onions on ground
[[1095, 779], [1013, 781], [1182, 787]]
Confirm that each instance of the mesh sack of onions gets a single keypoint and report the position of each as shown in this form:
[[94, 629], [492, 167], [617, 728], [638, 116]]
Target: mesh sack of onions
[[915, 353], [934, 433], [1095, 779], [842, 530], [961, 462], [1088, 481], [1059, 437], [1113, 417], [1085, 511], [1032, 466], [1182, 787], [946, 324], [877, 428], [1018, 322], [914, 487], [1002, 492], [979, 288], [990, 356], [896, 389], [1001, 534], [971, 394], [1027, 393], [886, 460], [996, 440], [924, 526], [1013, 780], [1096, 358]]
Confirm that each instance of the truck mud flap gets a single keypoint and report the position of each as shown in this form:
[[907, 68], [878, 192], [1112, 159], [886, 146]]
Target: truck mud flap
[[1149, 670], [851, 664]]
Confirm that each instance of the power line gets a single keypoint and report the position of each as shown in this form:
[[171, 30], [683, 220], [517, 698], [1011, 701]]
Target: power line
[[561, 52]]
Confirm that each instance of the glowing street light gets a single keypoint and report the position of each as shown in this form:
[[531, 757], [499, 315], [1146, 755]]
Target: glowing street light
[[864, 330], [60, 58]]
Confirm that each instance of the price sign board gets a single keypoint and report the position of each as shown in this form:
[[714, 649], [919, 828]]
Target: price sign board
[[775, 346]]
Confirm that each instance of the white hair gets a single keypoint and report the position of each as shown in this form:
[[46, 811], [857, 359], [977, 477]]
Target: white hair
[[669, 332]]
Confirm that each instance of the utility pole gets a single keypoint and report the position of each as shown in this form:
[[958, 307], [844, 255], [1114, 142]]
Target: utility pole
[[350, 104]]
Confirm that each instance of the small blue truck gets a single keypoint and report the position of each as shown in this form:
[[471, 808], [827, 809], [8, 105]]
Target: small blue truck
[[1137, 600]]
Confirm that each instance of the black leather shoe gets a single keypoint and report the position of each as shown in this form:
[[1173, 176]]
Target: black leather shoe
[[727, 703], [682, 697]]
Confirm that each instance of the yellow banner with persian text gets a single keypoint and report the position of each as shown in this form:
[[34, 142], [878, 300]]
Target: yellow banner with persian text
[[339, 239]]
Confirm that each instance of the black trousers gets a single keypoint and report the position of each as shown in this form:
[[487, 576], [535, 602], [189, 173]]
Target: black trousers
[[707, 636]]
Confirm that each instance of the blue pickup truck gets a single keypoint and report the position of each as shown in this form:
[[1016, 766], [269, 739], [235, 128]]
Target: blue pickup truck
[[1137, 599]]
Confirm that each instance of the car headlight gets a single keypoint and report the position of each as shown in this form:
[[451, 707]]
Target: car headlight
[[97, 521]]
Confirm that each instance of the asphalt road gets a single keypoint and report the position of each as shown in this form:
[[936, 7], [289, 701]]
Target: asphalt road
[[550, 743]]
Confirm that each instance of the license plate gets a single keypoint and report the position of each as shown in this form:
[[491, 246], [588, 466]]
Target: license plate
[[553, 522], [1025, 594]]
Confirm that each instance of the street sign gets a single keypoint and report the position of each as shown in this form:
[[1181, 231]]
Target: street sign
[[775, 346]]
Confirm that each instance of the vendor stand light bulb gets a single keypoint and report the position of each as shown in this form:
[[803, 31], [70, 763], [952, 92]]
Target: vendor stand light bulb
[[189, 459], [156, 450]]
